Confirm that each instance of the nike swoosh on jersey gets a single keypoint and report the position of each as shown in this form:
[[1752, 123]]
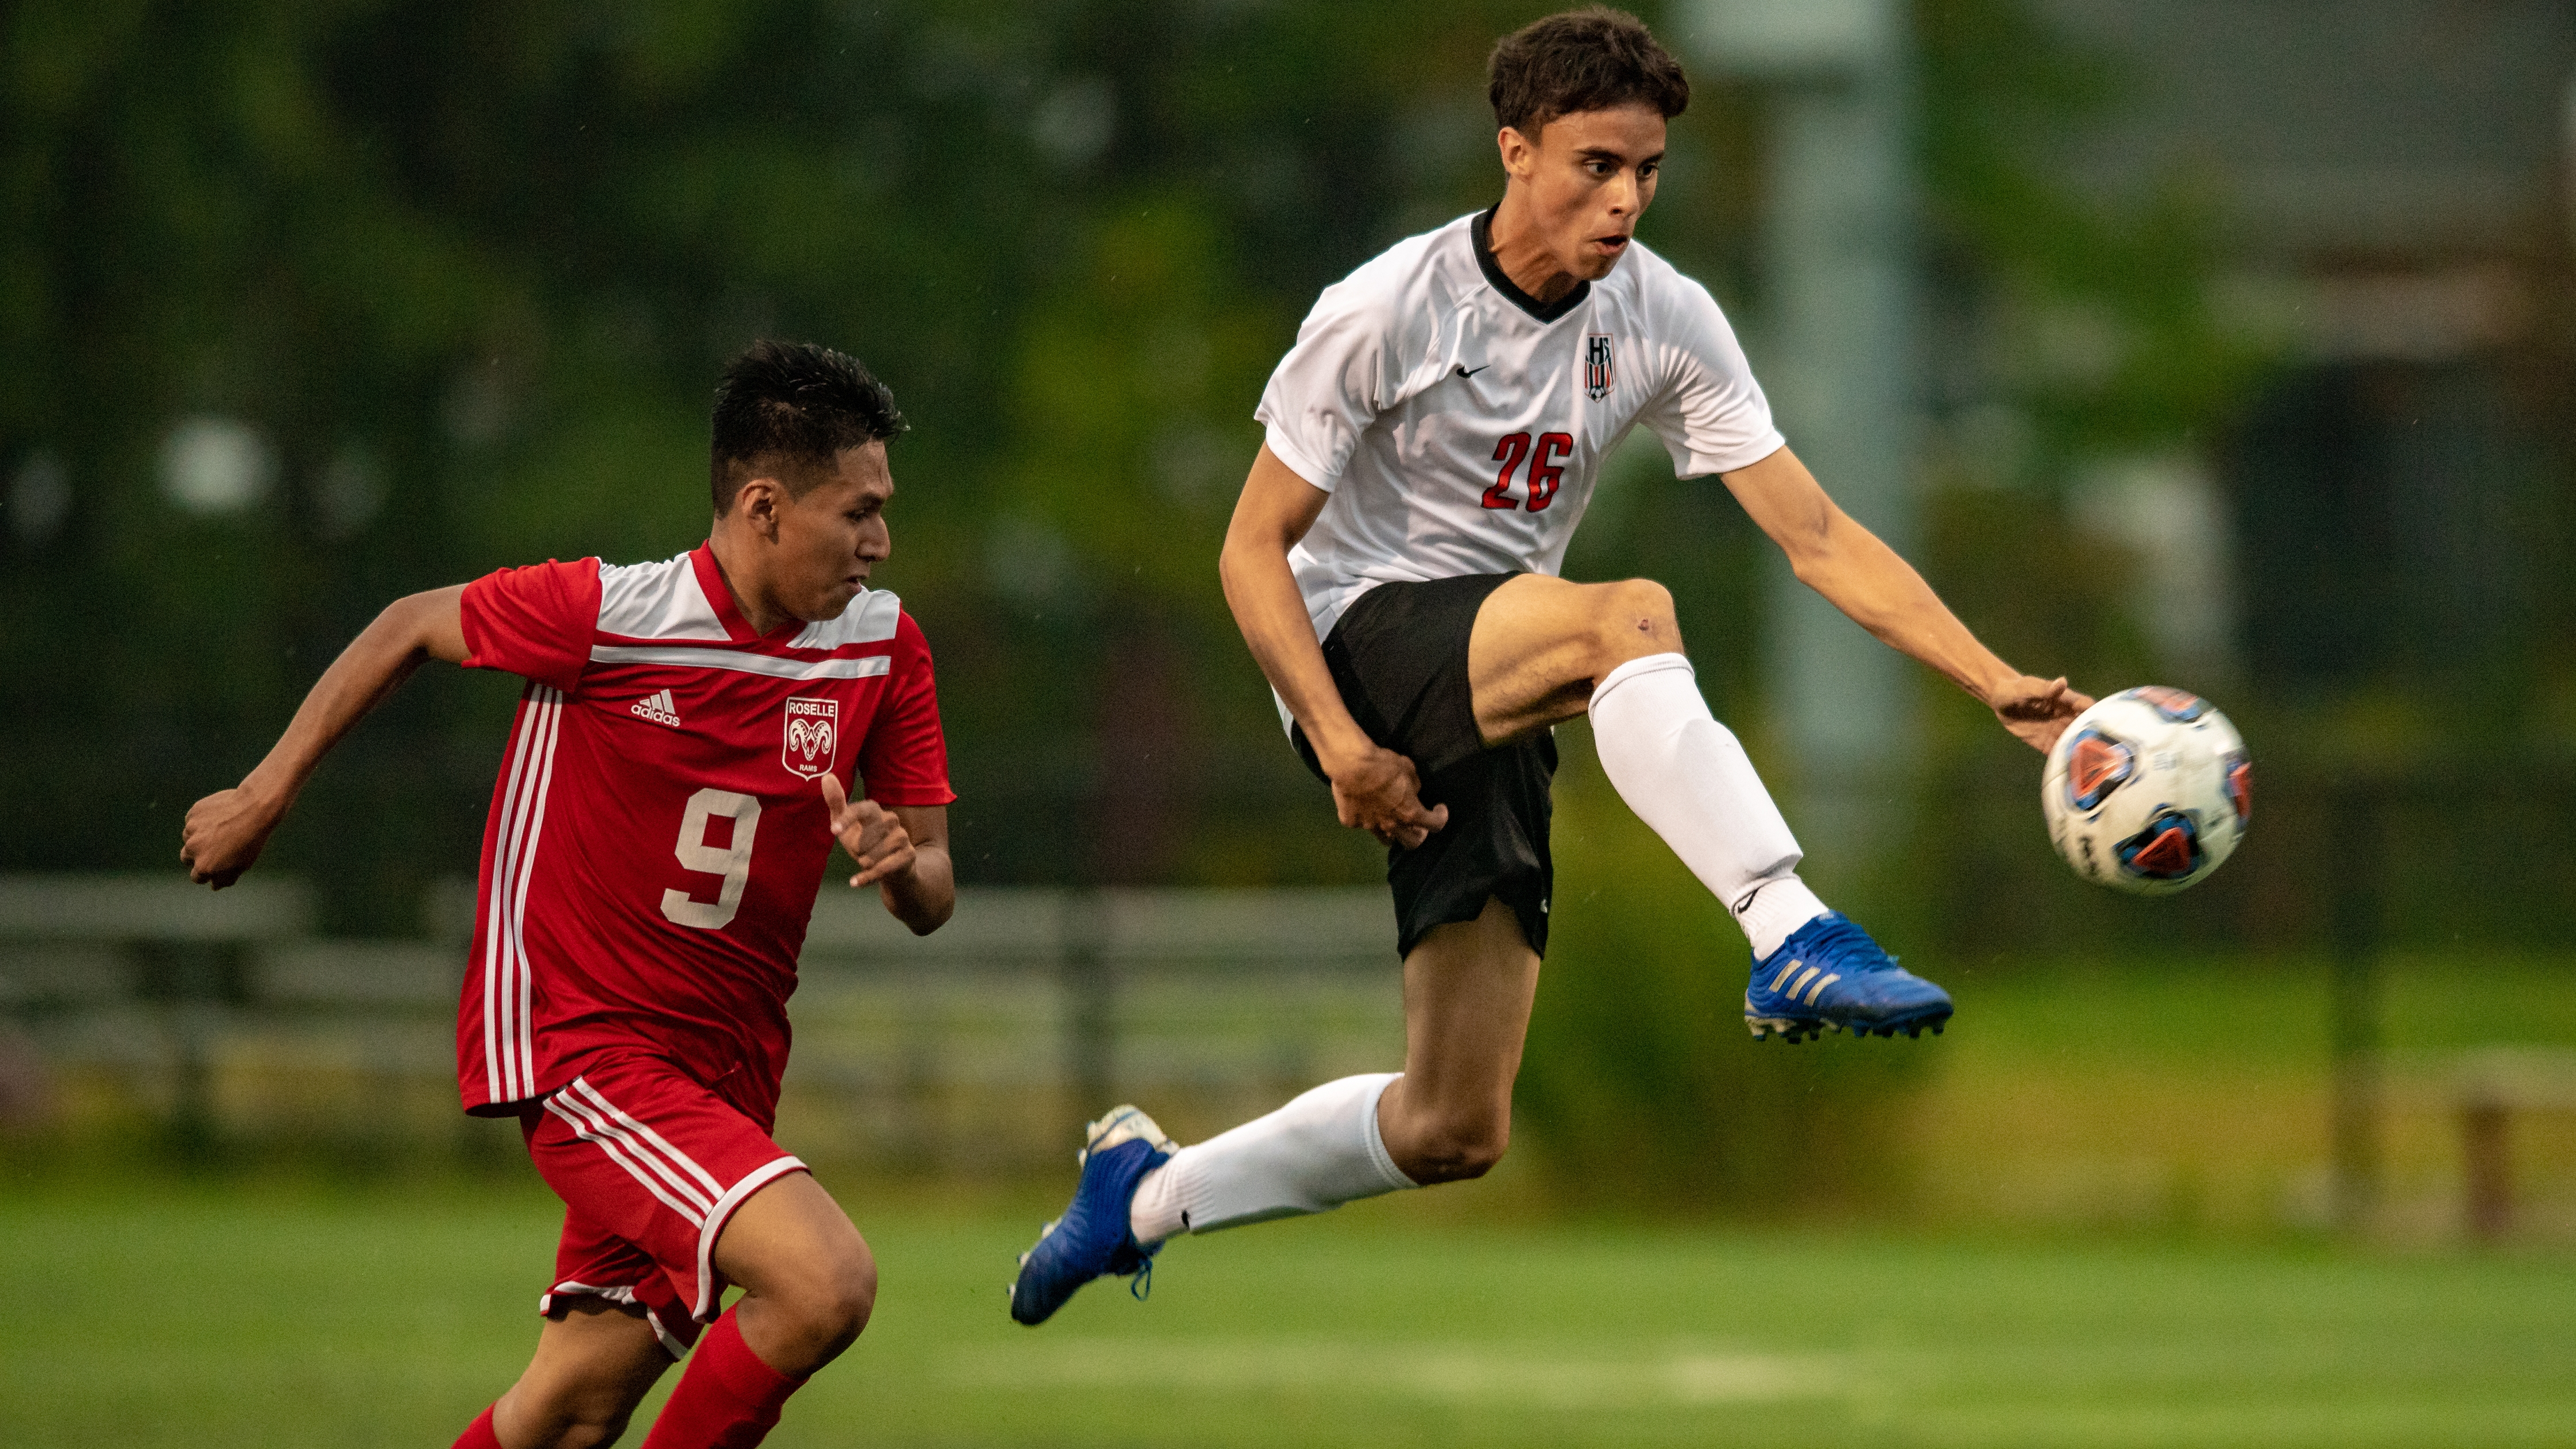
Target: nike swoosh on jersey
[[1463, 370]]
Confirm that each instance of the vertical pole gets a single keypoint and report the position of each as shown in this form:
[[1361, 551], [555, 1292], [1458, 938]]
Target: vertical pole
[[191, 983], [1837, 330], [2358, 842], [2487, 1164], [1090, 1004], [1836, 352]]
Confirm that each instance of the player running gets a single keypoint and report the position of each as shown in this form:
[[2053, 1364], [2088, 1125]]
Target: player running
[[1432, 439], [685, 754]]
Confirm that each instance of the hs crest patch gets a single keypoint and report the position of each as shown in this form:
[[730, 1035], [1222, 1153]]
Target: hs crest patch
[[1599, 365]]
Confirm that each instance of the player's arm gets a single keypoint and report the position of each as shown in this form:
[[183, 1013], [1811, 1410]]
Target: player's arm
[[902, 850], [1374, 788], [1838, 558], [225, 831]]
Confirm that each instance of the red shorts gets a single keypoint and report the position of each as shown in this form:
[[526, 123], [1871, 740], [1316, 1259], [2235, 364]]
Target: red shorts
[[651, 1166]]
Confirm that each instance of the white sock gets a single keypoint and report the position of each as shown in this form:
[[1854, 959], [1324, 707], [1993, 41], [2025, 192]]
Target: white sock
[[1311, 1156], [1688, 777]]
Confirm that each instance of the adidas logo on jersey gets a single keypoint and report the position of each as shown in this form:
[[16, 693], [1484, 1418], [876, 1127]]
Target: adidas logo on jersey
[[659, 708]]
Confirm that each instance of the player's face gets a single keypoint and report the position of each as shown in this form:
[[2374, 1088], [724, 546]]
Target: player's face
[[829, 539], [1588, 177]]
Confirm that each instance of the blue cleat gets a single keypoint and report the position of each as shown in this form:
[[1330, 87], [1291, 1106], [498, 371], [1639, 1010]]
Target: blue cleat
[[1092, 1238], [1830, 976]]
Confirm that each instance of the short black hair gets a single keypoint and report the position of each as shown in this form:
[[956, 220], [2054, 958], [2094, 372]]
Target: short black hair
[[1581, 60], [796, 402]]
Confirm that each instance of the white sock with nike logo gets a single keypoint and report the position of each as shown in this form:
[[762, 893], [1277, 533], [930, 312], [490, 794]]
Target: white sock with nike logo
[[1318, 1152], [1687, 776]]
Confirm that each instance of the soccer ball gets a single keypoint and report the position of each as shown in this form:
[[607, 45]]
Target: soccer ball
[[2148, 791]]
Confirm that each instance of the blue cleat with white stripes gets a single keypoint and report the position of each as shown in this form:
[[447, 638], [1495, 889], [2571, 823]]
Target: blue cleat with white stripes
[[1830, 976], [1092, 1238]]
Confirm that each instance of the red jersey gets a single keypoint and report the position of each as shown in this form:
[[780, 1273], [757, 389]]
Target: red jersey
[[658, 828]]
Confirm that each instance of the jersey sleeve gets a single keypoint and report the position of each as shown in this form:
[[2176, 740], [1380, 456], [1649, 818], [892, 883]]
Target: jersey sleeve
[[904, 759], [1710, 413], [1341, 374], [535, 622]]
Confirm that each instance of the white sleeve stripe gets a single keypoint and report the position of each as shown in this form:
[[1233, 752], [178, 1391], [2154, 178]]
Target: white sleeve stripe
[[509, 1041], [492, 910], [739, 662], [523, 1049]]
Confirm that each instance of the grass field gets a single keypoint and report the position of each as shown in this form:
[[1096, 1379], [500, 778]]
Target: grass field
[[285, 1317]]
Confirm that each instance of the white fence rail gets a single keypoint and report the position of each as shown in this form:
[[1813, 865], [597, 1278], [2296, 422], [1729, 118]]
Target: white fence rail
[[973, 1049]]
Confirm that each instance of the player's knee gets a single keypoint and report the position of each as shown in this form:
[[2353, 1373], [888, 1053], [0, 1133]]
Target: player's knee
[[1458, 1150], [587, 1430], [1636, 619], [844, 1295], [578, 1414], [840, 1296]]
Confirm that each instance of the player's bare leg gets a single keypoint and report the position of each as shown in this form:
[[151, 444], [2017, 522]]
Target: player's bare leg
[[808, 1279], [1468, 987], [593, 1365], [1541, 643], [1544, 650], [809, 1284]]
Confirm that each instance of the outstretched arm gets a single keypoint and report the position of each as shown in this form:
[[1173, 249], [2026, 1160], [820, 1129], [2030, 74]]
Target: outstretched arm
[[225, 831], [1374, 788], [1882, 593]]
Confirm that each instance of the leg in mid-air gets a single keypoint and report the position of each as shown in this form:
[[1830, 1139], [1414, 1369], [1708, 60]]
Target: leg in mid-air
[[1468, 986], [1545, 650]]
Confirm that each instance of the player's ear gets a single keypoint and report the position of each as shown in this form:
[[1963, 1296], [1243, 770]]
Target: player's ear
[[758, 504]]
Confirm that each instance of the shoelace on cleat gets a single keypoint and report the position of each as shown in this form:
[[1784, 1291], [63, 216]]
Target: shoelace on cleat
[[1866, 954], [1141, 1287]]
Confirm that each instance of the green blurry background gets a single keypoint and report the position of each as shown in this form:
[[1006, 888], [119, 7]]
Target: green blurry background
[[2241, 355]]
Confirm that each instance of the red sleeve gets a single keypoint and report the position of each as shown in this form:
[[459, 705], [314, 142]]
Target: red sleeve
[[904, 759], [534, 622]]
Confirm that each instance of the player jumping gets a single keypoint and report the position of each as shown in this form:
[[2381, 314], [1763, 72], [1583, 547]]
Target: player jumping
[[685, 754], [1432, 439]]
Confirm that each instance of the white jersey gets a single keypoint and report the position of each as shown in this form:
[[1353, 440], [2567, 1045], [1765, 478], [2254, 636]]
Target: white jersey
[[1459, 424]]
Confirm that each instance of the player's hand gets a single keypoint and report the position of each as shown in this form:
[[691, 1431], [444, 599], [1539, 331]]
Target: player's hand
[[1379, 792], [2037, 710], [224, 835], [870, 833]]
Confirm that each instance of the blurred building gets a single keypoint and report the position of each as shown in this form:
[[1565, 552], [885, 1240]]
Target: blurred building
[[2393, 179]]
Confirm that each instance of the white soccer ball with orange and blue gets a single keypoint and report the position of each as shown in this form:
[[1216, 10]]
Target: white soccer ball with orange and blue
[[2148, 791]]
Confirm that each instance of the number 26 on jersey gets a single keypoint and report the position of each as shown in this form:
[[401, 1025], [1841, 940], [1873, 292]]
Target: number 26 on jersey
[[1545, 472]]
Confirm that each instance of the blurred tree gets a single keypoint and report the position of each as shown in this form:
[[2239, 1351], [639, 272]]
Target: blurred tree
[[456, 278]]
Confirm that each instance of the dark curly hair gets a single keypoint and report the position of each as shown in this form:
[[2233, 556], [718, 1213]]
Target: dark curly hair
[[796, 402], [1581, 60]]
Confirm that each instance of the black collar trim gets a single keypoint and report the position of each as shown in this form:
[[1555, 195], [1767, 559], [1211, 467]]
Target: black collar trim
[[1482, 233]]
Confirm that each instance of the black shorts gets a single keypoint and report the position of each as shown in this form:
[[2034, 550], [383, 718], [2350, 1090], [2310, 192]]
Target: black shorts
[[1399, 657]]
